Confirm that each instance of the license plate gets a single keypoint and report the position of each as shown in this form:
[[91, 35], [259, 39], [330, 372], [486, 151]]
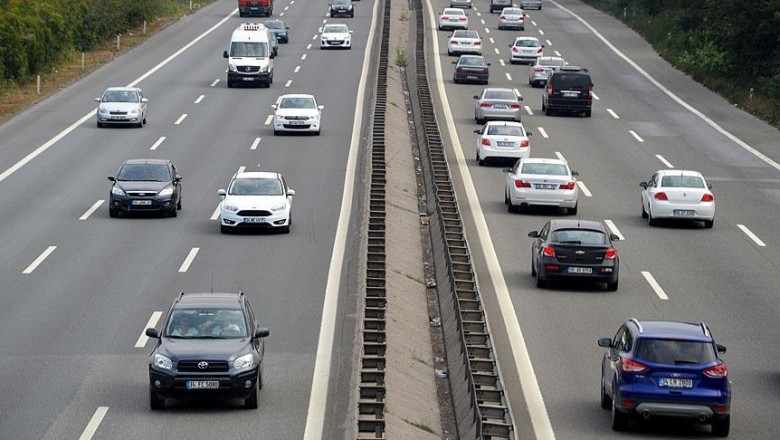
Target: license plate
[[202, 384], [545, 186], [684, 213], [117, 117], [254, 220], [580, 270], [471, 77], [296, 122], [142, 202], [570, 93], [504, 144], [499, 105], [674, 382], [247, 78]]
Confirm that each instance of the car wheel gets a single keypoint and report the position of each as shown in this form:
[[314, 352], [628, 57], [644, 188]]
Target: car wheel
[[100, 125], [606, 402], [155, 403], [140, 124], [113, 212], [317, 133], [224, 229], [251, 401], [480, 160], [644, 213], [540, 283], [650, 220], [178, 205], [544, 107], [533, 268], [547, 110], [512, 207], [709, 223], [480, 121], [720, 427], [619, 419], [506, 197], [587, 113], [260, 378], [277, 132], [173, 212], [612, 287], [229, 84], [572, 211]]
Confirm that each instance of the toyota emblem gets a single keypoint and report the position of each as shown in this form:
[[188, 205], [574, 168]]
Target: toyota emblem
[[203, 365]]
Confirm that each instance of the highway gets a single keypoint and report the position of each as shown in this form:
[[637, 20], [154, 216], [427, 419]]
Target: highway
[[728, 276], [79, 288]]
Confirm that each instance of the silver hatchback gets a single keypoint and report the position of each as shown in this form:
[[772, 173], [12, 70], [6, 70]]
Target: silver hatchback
[[497, 104], [512, 18], [542, 68]]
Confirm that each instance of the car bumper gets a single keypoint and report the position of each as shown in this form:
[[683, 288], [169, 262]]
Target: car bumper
[[465, 49], [512, 25], [539, 77], [453, 25], [499, 114], [255, 11], [669, 211], [247, 78], [509, 153], [470, 76], [607, 273], [277, 220], [342, 13], [460, 4], [309, 125], [560, 197], [238, 385], [570, 105], [525, 58], [141, 204], [120, 119], [335, 44]]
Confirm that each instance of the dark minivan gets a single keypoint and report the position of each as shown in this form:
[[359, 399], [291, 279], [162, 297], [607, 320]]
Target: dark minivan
[[569, 89]]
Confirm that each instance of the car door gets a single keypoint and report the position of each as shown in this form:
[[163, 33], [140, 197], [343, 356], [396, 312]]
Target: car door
[[612, 359], [258, 343], [538, 244], [511, 176], [649, 191], [176, 182]]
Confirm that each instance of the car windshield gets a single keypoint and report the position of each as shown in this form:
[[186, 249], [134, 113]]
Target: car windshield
[[472, 61], [504, 130], [555, 62], [527, 43], [682, 182], [548, 169], [579, 237], [247, 186], [335, 29], [500, 94], [248, 49], [675, 352], [274, 25], [565, 80], [298, 103], [206, 324], [144, 172], [120, 96]]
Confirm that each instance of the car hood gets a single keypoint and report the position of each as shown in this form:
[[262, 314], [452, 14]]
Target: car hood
[[297, 112], [215, 349], [142, 185], [336, 35], [119, 106], [254, 202]]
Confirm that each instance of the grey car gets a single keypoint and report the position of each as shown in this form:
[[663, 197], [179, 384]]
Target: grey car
[[531, 4], [542, 68], [497, 104], [122, 106], [460, 4]]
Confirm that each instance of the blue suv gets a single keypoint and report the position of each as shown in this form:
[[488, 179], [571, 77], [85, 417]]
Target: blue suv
[[665, 369]]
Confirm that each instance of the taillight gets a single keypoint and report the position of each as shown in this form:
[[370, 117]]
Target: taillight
[[661, 196], [707, 198], [610, 254], [520, 184], [538, 69], [590, 91], [629, 366], [548, 251], [514, 49], [486, 105], [503, 17], [462, 19], [549, 89], [477, 43], [524, 143], [540, 50], [717, 372], [454, 42], [569, 185], [514, 106], [486, 142]]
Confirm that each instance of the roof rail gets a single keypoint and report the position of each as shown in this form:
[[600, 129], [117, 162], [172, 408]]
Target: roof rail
[[705, 329], [638, 325]]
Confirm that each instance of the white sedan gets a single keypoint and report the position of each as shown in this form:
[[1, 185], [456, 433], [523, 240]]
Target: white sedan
[[464, 41], [335, 36], [541, 182], [297, 113], [677, 194], [502, 139], [256, 200], [453, 18]]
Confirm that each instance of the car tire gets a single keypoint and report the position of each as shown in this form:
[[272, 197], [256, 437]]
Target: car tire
[[224, 229], [612, 287], [572, 211], [480, 160], [644, 213], [480, 121], [173, 212], [547, 110], [709, 223], [650, 220], [720, 427], [251, 401], [512, 207], [317, 133], [587, 113], [155, 403], [619, 420], [606, 402], [140, 125], [277, 132], [533, 268], [113, 212], [100, 125], [540, 283], [229, 84]]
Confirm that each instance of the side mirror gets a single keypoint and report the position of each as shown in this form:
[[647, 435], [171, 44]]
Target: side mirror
[[321, 107], [477, 131], [528, 133], [709, 186], [506, 170], [574, 174], [224, 54], [350, 31], [273, 106], [488, 64], [152, 333], [643, 184], [542, 46], [454, 62], [261, 332], [144, 100], [221, 192], [272, 56], [533, 234], [614, 237], [605, 342], [290, 192], [97, 99], [178, 178], [720, 348], [476, 96], [112, 178]]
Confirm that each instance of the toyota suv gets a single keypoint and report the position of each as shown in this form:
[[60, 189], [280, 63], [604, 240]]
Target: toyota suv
[[568, 89], [210, 344], [658, 369]]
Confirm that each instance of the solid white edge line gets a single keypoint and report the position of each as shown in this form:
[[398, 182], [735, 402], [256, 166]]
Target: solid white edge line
[[157, 143], [94, 423], [752, 236], [143, 339], [654, 285], [636, 136], [611, 225], [611, 112], [39, 260], [200, 98], [543, 132], [584, 188], [91, 210], [664, 161], [560, 156], [532, 394], [215, 215], [269, 119], [188, 261], [255, 143], [181, 118], [669, 93], [315, 416]]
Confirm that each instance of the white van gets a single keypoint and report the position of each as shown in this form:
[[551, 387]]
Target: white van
[[250, 56]]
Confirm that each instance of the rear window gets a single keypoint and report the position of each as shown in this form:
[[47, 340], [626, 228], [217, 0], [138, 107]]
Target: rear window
[[513, 11], [572, 80], [504, 130], [465, 34], [682, 182], [500, 94], [547, 169], [673, 352], [579, 236], [527, 43]]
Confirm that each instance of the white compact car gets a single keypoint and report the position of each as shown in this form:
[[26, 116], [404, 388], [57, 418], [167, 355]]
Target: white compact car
[[297, 113], [122, 106], [678, 194], [256, 200], [453, 18], [511, 18], [541, 182], [502, 140], [525, 49], [464, 41], [335, 36]]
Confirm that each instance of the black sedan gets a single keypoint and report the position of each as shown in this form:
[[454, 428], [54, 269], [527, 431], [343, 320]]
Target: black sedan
[[574, 249], [471, 68], [279, 28], [145, 185]]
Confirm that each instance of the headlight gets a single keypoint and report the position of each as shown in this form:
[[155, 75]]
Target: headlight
[[230, 208], [117, 191], [264, 69], [315, 118], [161, 361], [133, 111], [232, 67], [349, 8], [102, 110], [278, 117], [278, 208], [245, 361], [166, 192]]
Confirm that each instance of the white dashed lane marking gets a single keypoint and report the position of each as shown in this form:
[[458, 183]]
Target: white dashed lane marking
[[287, 84], [308, 46], [501, 61], [216, 81], [269, 119], [255, 144], [157, 143], [94, 423], [297, 69], [549, 43], [496, 50], [39, 260], [528, 110], [752, 236], [508, 76], [541, 32], [584, 188], [181, 118], [595, 96], [614, 229], [200, 98], [188, 261], [143, 339], [636, 136], [543, 132], [558, 54], [664, 161], [303, 57], [492, 41], [654, 285], [611, 112], [91, 210]]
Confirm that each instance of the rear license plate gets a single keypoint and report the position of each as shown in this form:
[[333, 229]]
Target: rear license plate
[[247, 78], [501, 106], [254, 220], [580, 270], [674, 382], [684, 213], [545, 186], [202, 384], [570, 93], [142, 202], [504, 144]]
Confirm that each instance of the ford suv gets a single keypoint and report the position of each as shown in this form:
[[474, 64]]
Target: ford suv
[[665, 369], [210, 344]]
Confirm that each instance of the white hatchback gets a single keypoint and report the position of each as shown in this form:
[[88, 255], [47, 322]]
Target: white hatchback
[[502, 139], [297, 113], [256, 200], [541, 182], [464, 41], [525, 49], [678, 194], [453, 18], [336, 35]]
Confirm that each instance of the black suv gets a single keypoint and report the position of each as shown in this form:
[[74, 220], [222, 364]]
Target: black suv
[[210, 344], [145, 185], [568, 89]]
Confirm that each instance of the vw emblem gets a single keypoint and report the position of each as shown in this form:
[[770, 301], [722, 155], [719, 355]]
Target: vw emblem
[[203, 365], [579, 252]]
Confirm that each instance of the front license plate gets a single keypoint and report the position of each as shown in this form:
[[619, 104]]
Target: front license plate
[[117, 117], [254, 220], [684, 213], [142, 202], [202, 384], [247, 78], [580, 270], [471, 76], [297, 122], [674, 382]]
